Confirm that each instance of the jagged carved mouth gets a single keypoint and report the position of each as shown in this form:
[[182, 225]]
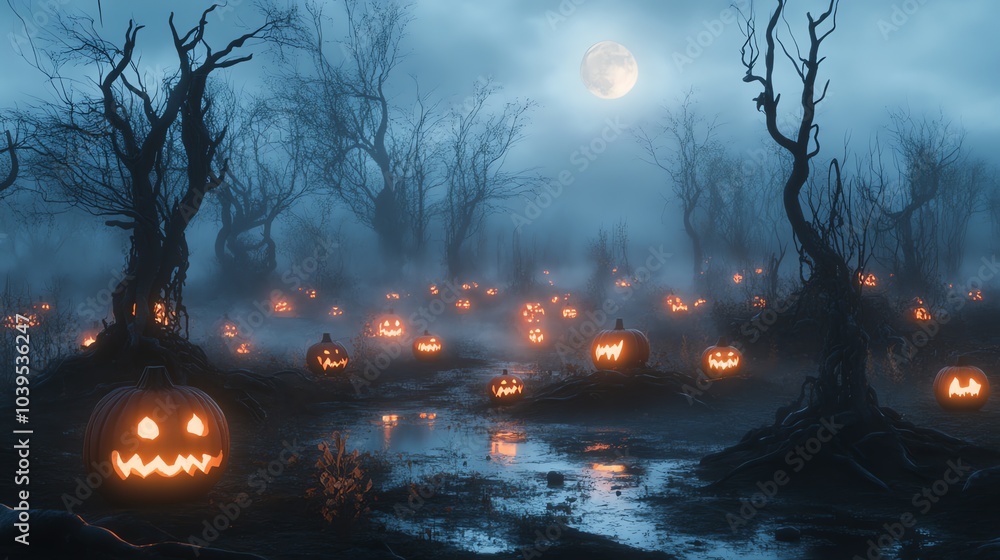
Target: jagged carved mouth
[[331, 364], [609, 351], [969, 390], [507, 390], [723, 364], [421, 347], [189, 464]]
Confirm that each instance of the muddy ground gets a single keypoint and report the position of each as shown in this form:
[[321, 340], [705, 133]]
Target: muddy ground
[[456, 478]]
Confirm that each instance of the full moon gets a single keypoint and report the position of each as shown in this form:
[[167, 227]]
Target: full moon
[[609, 70]]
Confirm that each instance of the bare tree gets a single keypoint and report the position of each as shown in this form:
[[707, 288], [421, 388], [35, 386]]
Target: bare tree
[[963, 195], [421, 169], [11, 152], [834, 244], [924, 151], [142, 157], [477, 178], [683, 144], [267, 176], [346, 110]]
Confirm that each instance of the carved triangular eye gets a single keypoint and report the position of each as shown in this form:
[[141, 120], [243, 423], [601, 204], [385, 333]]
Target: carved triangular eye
[[196, 426], [147, 428]]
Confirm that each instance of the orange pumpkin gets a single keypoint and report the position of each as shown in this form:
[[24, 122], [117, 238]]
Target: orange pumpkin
[[961, 386], [156, 441], [390, 326], [619, 348], [506, 388], [326, 356], [721, 360], [427, 347]]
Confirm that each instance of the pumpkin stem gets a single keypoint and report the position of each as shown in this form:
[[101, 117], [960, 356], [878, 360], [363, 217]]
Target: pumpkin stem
[[723, 341], [962, 361], [426, 332], [504, 372], [326, 337], [619, 324], [154, 377]]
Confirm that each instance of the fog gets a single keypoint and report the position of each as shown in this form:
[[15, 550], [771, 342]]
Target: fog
[[929, 58]]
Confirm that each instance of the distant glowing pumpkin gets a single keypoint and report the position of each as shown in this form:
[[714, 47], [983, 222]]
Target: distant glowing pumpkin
[[569, 312], [390, 326], [427, 347], [533, 313], [536, 336], [721, 360], [675, 305], [463, 305], [143, 450], [326, 357], [961, 387], [506, 388], [619, 348]]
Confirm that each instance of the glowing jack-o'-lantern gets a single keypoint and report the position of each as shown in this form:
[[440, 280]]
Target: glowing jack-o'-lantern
[[976, 295], [427, 347], [311, 294], [569, 312], [156, 441], [282, 306], [536, 336], [42, 306], [533, 313], [867, 280], [336, 311], [326, 356], [675, 304], [159, 313], [392, 295], [961, 386], [230, 330], [920, 313], [699, 302], [758, 302], [737, 278], [243, 348], [619, 348], [623, 283], [390, 326], [463, 305], [88, 340], [721, 360], [506, 388], [492, 291]]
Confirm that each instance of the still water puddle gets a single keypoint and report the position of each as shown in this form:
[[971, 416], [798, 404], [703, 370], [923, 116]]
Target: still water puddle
[[601, 494]]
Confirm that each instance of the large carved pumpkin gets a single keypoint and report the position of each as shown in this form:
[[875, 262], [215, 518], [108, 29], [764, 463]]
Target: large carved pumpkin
[[390, 325], [326, 357], [961, 387], [619, 348], [721, 360], [427, 347], [156, 441], [506, 388]]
